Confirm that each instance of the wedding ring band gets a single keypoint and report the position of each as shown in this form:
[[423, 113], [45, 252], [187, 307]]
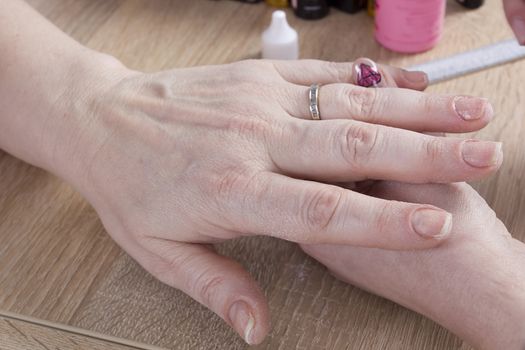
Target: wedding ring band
[[314, 102]]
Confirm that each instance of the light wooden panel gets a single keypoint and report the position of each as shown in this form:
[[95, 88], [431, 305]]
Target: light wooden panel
[[23, 333], [57, 263]]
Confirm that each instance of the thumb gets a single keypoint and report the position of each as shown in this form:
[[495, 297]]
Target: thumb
[[216, 281]]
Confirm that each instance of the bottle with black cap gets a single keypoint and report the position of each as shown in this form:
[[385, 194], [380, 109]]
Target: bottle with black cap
[[310, 9], [350, 6], [471, 4]]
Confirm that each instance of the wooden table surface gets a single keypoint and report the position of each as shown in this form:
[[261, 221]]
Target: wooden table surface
[[64, 284]]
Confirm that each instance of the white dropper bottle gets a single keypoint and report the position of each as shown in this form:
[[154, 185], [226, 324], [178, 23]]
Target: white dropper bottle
[[279, 40]]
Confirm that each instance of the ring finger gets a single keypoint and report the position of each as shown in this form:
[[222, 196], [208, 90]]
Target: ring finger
[[402, 108]]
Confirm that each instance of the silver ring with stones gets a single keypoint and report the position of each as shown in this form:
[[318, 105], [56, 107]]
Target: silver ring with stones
[[313, 96]]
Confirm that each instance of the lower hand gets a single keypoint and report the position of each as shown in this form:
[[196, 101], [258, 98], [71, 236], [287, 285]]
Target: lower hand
[[473, 284]]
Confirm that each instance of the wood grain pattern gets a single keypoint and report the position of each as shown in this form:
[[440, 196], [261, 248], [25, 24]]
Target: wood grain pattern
[[57, 263], [22, 333]]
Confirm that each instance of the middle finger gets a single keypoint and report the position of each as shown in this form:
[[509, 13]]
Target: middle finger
[[353, 151]]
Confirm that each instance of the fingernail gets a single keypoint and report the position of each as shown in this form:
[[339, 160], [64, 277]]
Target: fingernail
[[432, 223], [416, 77], [243, 320], [518, 25], [472, 108], [481, 154]]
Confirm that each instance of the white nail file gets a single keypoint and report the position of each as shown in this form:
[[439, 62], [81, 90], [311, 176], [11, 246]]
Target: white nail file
[[471, 61]]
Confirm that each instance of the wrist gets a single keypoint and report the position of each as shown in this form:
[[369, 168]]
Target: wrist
[[503, 326], [48, 88], [490, 313], [506, 318], [73, 133]]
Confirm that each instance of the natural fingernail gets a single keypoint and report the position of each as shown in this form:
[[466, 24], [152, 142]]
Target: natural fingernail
[[472, 108], [242, 320], [518, 25], [481, 154], [416, 77], [432, 223]]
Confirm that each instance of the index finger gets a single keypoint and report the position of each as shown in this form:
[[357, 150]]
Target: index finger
[[316, 213]]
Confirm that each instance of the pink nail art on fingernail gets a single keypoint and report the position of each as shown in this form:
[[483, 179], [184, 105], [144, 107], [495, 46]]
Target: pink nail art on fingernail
[[366, 73]]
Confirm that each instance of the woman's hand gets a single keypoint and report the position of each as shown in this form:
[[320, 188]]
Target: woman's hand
[[176, 160], [473, 284]]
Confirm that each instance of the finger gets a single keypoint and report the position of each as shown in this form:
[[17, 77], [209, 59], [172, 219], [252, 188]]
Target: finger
[[469, 208], [402, 108], [353, 151], [456, 198], [515, 12], [414, 80], [307, 72], [310, 212], [217, 282]]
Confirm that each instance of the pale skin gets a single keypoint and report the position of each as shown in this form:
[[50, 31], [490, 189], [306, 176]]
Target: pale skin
[[515, 12], [473, 284], [175, 161]]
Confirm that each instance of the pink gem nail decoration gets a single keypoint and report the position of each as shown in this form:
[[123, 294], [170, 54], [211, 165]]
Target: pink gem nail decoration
[[368, 76], [366, 73]]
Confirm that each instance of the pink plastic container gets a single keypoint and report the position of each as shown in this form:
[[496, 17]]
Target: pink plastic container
[[409, 26]]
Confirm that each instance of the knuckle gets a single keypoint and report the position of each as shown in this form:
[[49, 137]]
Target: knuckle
[[383, 218], [359, 142], [247, 70], [339, 72], [433, 149], [164, 261], [236, 190], [321, 208], [232, 182], [206, 287], [458, 190], [250, 127], [238, 71], [249, 64], [430, 102], [361, 102]]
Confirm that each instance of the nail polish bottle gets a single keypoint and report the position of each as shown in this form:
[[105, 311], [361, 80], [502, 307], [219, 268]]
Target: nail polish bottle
[[409, 26], [371, 7], [310, 9], [350, 6], [277, 3], [471, 4], [279, 40]]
